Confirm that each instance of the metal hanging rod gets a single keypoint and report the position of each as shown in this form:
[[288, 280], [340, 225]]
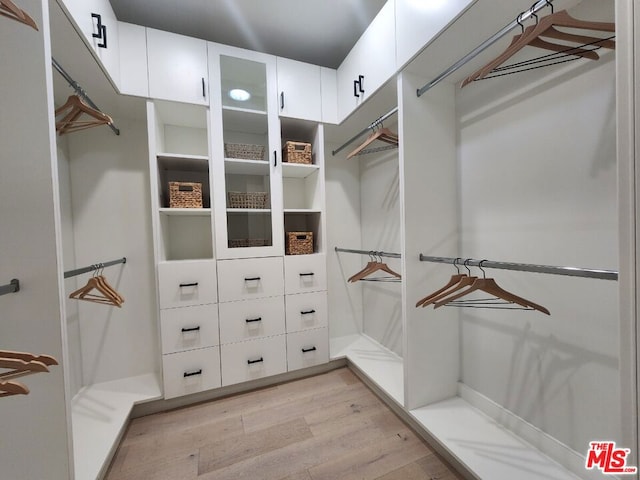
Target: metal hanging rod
[[93, 268], [80, 91], [369, 252], [12, 287], [526, 267], [539, 5], [377, 122]]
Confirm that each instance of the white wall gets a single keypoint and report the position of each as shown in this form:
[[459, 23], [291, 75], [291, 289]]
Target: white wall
[[538, 185], [35, 442], [111, 204]]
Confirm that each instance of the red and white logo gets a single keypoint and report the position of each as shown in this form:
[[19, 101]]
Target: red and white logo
[[609, 459]]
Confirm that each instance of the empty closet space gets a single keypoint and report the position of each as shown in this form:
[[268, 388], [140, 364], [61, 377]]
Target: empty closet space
[[518, 167], [323, 427]]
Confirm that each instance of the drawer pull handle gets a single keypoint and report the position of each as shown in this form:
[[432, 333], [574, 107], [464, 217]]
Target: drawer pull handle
[[259, 360], [307, 274], [307, 350], [252, 279], [194, 284], [251, 320], [192, 374], [307, 312], [192, 329]]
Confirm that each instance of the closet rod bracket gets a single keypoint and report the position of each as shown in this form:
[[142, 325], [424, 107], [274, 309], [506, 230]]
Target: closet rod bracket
[[12, 287]]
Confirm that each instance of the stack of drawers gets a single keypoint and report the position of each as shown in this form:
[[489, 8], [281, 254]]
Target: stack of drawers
[[271, 318], [188, 297]]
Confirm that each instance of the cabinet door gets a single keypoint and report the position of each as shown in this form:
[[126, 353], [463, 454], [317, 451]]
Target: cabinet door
[[371, 62], [134, 78], [329, 94], [177, 67], [247, 160], [299, 91]]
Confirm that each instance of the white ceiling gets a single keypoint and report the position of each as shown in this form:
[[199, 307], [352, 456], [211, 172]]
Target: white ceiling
[[321, 32]]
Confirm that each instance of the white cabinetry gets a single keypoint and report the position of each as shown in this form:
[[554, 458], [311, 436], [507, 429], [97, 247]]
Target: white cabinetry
[[329, 94], [299, 90], [371, 62], [99, 26], [177, 67], [134, 79]]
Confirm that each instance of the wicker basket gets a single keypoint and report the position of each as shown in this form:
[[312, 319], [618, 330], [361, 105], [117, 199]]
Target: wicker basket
[[299, 243], [248, 199], [243, 151], [185, 195], [297, 152], [247, 242]]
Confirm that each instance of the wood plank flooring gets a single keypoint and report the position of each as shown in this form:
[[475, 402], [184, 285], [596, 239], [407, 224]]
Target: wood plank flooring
[[326, 427]]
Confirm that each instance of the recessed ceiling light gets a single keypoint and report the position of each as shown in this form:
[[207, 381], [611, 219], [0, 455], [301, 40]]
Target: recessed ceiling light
[[239, 95]]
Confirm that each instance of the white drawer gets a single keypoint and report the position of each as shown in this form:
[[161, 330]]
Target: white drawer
[[189, 328], [190, 372], [308, 348], [250, 278], [253, 359], [187, 283], [306, 311], [251, 319], [305, 273]]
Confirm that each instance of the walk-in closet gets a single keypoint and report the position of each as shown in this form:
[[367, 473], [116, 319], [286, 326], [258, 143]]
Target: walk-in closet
[[419, 260]]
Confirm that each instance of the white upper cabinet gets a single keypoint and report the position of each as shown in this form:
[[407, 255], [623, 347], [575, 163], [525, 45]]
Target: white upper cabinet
[[371, 62], [133, 60], [177, 67], [97, 22], [299, 92], [417, 23], [329, 93]]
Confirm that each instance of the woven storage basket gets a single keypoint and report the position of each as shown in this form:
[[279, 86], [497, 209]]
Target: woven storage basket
[[243, 151], [247, 242], [299, 243], [297, 152], [248, 199], [185, 195]]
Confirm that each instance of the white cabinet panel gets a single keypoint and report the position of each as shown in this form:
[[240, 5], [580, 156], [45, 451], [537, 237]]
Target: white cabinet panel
[[305, 273], [251, 319], [187, 283], [299, 90], [306, 311], [189, 328], [191, 372], [371, 62], [134, 78], [248, 278], [329, 94], [177, 67], [253, 359], [417, 23], [308, 348]]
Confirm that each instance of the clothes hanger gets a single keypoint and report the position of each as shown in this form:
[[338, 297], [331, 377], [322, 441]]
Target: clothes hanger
[[454, 280], [28, 357], [465, 281], [20, 368], [531, 34], [103, 295], [376, 266], [10, 10], [103, 282], [75, 107], [489, 285], [383, 134], [366, 268], [12, 388]]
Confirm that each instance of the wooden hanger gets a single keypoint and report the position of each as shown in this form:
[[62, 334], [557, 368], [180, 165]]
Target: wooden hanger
[[383, 134], [10, 10], [531, 34], [454, 281], [96, 291], [488, 285], [372, 267], [72, 110], [20, 368], [12, 388], [28, 357]]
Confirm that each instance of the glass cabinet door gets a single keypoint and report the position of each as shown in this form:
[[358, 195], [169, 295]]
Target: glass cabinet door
[[246, 149]]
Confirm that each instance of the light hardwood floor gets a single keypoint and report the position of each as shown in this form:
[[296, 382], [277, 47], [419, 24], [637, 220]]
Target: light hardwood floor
[[326, 427]]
